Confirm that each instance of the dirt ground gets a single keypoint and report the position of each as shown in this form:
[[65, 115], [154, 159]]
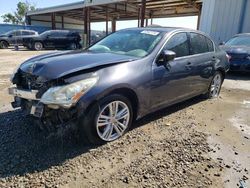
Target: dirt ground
[[198, 143]]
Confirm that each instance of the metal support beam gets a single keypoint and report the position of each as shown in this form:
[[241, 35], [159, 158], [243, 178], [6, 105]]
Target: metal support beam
[[53, 21], [143, 9]]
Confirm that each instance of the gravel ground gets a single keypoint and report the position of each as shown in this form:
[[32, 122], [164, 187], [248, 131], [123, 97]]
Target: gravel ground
[[193, 144], [154, 153]]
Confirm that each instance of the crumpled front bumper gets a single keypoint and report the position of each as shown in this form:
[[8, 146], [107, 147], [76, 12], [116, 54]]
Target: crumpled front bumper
[[35, 106]]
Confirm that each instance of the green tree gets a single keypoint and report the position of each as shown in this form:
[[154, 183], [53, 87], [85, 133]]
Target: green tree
[[18, 17]]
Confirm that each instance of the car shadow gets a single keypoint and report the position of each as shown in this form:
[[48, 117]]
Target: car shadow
[[167, 111], [238, 76], [24, 148]]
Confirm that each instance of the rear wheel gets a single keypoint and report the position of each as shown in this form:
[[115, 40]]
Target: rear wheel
[[73, 46], [4, 45], [38, 46], [107, 121], [215, 86]]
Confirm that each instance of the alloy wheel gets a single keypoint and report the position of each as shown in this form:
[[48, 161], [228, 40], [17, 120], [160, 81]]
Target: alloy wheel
[[38, 46], [73, 46], [113, 120], [216, 86]]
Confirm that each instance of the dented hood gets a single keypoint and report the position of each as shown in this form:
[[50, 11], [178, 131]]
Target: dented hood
[[58, 64]]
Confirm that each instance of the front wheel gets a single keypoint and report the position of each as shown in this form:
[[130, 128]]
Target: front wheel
[[38, 46], [215, 86], [107, 121]]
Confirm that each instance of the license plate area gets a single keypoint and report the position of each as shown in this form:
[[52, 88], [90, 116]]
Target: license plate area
[[25, 94]]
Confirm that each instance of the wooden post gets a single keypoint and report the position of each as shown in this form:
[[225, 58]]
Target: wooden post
[[199, 19], [62, 22], [107, 21], [113, 25], [89, 26], [143, 10], [139, 13], [53, 21], [86, 27]]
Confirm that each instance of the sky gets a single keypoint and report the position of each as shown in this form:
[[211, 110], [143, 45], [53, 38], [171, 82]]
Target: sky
[[7, 6]]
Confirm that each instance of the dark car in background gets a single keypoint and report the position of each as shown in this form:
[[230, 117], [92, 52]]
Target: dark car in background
[[238, 48], [54, 39], [121, 78], [15, 37]]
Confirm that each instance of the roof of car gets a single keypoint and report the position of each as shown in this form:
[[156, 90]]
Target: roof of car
[[243, 34], [161, 29]]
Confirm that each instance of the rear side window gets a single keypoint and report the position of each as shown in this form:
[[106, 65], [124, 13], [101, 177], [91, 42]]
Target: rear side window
[[17, 33], [198, 43], [178, 44], [28, 33], [210, 45]]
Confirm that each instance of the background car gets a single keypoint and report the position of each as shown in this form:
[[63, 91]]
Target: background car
[[123, 77], [15, 37], [54, 39], [238, 48]]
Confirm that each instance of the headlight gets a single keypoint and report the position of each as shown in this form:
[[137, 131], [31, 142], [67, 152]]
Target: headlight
[[68, 95]]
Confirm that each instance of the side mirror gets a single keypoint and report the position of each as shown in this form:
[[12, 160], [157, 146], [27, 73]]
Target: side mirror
[[166, 57], [10, 36]]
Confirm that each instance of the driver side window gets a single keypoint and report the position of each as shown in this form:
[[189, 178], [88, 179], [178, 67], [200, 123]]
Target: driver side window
[[178, 43]]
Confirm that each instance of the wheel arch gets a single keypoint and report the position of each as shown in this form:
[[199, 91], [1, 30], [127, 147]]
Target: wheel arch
[[5, 41], [124, 91], [222, 71]]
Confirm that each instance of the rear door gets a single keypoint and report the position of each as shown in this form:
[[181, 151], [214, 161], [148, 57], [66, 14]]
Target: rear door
[[202, 58], [172, 84], [53, 39]]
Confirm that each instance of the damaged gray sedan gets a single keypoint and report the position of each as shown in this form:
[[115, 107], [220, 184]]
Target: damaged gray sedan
[[123, 77]]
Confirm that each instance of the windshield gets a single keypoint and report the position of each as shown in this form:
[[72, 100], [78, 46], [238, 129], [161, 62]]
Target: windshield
[[137, 43], [239, 41], [9, 33], [44, 33]]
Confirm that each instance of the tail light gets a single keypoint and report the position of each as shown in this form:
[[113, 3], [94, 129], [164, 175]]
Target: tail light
[[228, 57]]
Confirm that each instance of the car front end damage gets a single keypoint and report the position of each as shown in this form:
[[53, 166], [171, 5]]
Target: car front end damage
[[52, 102]]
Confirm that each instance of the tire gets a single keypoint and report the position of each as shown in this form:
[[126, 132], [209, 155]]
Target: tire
[[4, 45], [98, 126], [215, 86], [73, 46], [37, 46]]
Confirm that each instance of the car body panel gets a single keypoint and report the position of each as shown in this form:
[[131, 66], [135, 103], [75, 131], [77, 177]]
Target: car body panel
[[239, 56], [155, 86], [16, 37], [54, 39]]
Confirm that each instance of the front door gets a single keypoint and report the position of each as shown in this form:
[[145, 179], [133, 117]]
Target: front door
[[173, 83]]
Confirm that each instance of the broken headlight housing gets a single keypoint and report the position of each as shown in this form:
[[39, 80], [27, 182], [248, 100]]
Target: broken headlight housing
[[68, 95]]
